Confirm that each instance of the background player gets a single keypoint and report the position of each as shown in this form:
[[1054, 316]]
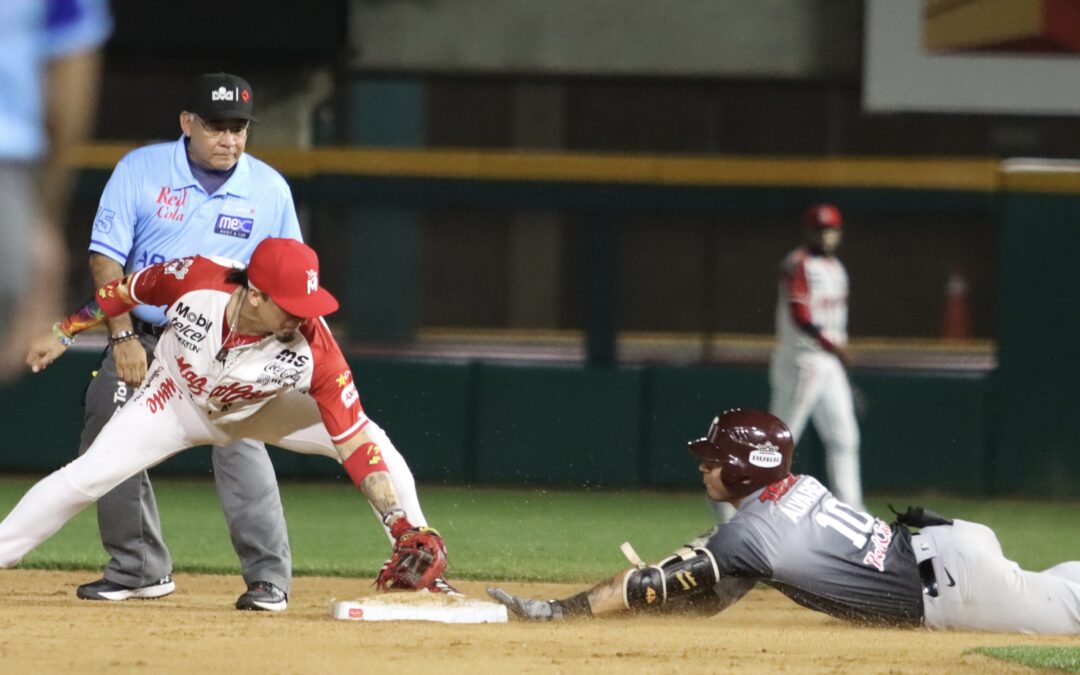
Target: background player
[[200, 194], [246, 356], [808, 370], [50, 68], [791, 533]]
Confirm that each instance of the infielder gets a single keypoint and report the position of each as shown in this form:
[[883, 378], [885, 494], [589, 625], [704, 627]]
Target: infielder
[[808, 370], [791, 533], [200, 194], [246, 355]]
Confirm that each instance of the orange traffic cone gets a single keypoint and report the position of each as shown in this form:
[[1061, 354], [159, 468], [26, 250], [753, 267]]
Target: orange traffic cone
[[956, 319]]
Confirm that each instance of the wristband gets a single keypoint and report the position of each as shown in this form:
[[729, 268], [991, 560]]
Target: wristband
[[123, 336], [397, 523], [63, 337]]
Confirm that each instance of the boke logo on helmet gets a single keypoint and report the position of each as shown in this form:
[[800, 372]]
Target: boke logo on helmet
[[767, 455]]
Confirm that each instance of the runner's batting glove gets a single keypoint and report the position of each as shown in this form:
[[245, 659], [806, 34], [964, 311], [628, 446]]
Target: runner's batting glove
[[533, 610]]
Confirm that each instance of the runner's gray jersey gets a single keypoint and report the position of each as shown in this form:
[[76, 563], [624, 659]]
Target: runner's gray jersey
[[795, 536]]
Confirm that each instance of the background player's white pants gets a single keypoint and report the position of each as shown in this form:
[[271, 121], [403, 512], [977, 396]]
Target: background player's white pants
[[139, 437], [815, 385], [978, 588]]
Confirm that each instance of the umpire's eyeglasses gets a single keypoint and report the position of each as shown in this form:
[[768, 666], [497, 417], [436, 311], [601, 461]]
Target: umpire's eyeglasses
[[216, 129]]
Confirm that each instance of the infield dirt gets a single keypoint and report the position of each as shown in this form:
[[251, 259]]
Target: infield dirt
[[45, 629]]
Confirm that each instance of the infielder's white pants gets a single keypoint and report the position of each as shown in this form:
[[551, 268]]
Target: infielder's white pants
[[140, 436], [814, 384], [978, 588]]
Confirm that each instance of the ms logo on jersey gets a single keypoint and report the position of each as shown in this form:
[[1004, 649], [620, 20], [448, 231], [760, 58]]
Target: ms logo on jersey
[[234, 226], [766, 455]]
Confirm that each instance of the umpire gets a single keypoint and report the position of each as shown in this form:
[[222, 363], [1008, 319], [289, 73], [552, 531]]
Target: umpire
[[198, 195]]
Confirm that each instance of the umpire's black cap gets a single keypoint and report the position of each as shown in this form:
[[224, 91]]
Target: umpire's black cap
[[221, 96]]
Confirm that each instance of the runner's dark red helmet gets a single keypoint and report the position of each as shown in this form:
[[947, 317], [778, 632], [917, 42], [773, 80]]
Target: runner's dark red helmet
[[752, 446]]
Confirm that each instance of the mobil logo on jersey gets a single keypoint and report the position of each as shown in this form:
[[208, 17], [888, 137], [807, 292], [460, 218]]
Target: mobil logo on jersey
[[234, 226], [190, 326], [766, 455]]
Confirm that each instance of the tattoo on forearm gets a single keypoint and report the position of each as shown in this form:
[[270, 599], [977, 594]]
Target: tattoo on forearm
[[377, 487]]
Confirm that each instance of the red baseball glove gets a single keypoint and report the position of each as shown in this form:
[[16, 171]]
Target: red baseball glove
[[419, 559]]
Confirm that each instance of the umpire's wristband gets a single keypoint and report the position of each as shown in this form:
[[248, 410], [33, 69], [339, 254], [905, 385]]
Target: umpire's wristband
[[123, 336]]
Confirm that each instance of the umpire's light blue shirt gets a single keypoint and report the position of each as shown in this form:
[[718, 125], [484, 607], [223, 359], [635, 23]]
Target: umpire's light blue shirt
[[153, 210], [32, 32]]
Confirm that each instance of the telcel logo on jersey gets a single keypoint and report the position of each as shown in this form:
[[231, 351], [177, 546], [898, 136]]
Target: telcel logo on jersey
[[234, 226], [767, 455], [190, 326]]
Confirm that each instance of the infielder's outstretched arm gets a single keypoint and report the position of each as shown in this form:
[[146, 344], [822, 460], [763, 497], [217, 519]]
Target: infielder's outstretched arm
[[115, 299], [363, 461]]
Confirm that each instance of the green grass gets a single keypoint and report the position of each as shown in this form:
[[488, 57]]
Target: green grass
[[500, 533], [1061, 658]]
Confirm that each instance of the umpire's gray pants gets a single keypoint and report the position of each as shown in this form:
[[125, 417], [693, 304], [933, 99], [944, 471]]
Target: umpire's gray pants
[[128, 515]]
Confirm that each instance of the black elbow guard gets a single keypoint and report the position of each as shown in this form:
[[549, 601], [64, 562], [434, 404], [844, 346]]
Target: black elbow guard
[[688, 572]]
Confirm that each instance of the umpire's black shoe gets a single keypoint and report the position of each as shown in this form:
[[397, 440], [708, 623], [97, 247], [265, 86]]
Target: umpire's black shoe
[[103, 589], [263, 596]]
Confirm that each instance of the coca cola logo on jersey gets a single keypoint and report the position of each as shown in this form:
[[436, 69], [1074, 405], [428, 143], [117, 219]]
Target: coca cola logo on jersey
[[279, 374]]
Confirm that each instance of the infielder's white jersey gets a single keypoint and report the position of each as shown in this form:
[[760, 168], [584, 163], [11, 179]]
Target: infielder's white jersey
[[819, 283], [196, 293]]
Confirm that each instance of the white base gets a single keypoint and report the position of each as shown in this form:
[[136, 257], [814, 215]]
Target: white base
[[418, 606]]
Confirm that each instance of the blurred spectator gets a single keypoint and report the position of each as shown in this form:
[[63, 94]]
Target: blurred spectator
[[50, 67]]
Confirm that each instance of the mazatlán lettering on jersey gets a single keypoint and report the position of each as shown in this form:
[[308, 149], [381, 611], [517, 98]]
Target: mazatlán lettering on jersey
[[196, 383]]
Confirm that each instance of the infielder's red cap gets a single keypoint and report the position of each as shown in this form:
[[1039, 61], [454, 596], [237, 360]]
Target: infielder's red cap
[[288, 271], [822, 215]]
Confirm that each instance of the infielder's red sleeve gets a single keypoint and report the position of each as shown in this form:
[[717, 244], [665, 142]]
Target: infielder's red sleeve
[[164, 283], [799, 294], [794, 276], [332, 384]]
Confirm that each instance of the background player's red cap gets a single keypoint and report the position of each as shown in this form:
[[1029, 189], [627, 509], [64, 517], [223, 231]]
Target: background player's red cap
[[822, 215], [288, 271]]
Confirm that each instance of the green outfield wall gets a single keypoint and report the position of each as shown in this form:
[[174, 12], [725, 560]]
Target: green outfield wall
[[494, 423], [1014, 430]]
